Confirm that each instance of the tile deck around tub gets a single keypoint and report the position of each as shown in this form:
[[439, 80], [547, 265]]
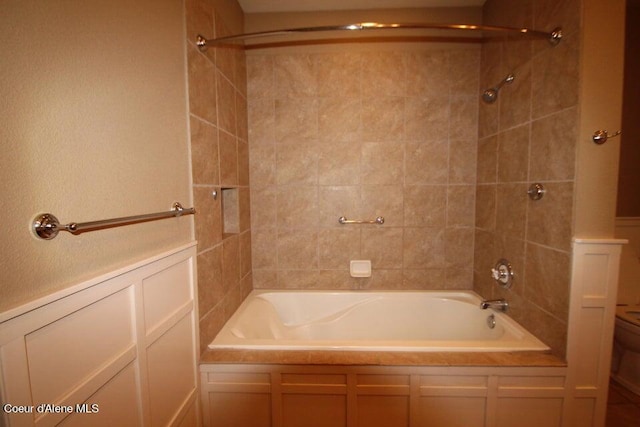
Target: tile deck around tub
[[390, 358]]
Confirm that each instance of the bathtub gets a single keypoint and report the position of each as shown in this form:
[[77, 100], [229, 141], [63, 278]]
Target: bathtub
[[427, 321]]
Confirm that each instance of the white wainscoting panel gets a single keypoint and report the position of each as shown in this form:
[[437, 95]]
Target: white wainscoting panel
[[119, 349]]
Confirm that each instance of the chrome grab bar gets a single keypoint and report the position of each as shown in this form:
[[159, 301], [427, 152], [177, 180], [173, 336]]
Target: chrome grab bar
[[46, 226], [378, 220]]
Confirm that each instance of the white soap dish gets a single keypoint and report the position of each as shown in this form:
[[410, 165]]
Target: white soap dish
[[360, 268]]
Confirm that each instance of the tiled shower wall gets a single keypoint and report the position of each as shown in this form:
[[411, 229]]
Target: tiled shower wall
[[528, 136], [363, 133], [220, 162]]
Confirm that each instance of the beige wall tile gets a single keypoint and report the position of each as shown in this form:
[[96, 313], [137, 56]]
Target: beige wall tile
[[384, 279], [199, 14], [262, 115], [553, 148], [294, 75], [428, 119], [219, 122], [383, 246], [263, 207], [515, 98], [230, 263], [298, 279], [486, 200], [382, 200], [383, 119], [424, 247], [513, 154], [265, 279], [204, 152], [427, 163], [337, 247], [202, 86], [550, 218], [461, 206], [208, 227], [556, 77], [243, 163], [425, 206], [210, 288], [334, 202], [297, 249], [260, 78], [339, 74], [487, 160], [297, 207], [245, 254], [339, 118], [463, 156], [244, 209], [511, 209], [359, 115], [429, 73], [463, 71], [226, 100], [262, 164], [424, 279], [459, 247], [384, 73], [263, 254], [463, 122], [381, 163], [547, 280], [339, 163], [297, 163], [228, 147], [296, 120]]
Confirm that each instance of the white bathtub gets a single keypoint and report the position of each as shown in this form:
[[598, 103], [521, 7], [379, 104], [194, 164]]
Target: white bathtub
[[375, 321]]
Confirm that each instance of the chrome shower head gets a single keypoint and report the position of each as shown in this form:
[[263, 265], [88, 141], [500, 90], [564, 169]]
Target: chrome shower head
[[491, 95]]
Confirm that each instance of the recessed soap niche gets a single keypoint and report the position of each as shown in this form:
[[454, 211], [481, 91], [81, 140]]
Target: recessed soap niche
[[230, 211]]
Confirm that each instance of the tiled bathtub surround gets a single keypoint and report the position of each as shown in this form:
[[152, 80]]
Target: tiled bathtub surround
[[529, 135], [219, 159], [363, 134]]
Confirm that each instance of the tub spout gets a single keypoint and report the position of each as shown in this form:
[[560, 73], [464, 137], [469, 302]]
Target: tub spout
[[498, 304]]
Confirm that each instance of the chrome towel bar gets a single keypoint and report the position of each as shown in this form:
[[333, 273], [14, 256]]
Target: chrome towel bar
[[46, 226], [343, 220]]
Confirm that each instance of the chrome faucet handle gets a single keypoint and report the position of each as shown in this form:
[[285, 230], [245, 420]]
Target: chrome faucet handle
[[503, 273]]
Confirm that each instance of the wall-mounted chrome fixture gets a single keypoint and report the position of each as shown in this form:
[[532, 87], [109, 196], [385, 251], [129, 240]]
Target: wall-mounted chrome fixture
[[457, 32], [46, 226], [497, 304], [491, 95], [536, 191], [503, 273], [601, 136], [379, 220]]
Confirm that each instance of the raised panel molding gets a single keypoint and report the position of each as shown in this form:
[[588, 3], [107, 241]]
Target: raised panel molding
[[370, 396], [128, 338]]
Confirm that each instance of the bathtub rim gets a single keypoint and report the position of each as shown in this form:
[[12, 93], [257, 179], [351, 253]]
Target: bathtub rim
[[537, 345]]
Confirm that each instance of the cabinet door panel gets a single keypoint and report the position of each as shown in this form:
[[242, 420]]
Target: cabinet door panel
[[314, 410], [451, 411], [529, 412], [383, 411], [240, 409]]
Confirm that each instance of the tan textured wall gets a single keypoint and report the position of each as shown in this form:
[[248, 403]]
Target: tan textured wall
[[363, 131], [529, 136], [93, 126], [220, 162]]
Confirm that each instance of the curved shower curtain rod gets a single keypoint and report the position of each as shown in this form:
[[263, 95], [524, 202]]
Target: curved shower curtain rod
[[554, 36]]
